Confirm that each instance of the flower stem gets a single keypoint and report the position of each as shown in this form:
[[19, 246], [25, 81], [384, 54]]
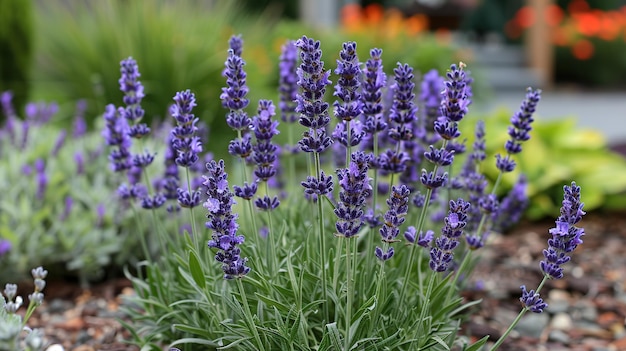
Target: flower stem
[[322, 239], [269, 242], [517, 319], [349, 293], [249, 318]]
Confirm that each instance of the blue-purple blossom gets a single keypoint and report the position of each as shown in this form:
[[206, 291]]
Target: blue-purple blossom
[[266, 203], [348, 107], [58, 144], [532, 301], [223, 222], [423, 239], [288, 82], [391, 161], [234, 94], [402, 114], [314, 186], [133, 94], [184, 141], [512, 206], [430, 98], [313, 110], [519, 130], [69, 203], [247, 191], [42, 178], [374, 81], [188, 199], [5, 246], [566, 236], [398, 203], [116, 134], [441, 253], [454, 103], [355, 189], [264, 150], [79, 126], [152, 202]]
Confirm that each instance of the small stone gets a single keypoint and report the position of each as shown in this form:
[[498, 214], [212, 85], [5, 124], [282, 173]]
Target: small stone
[[533, 324], [559, 336], [561, 321], [55, 347]]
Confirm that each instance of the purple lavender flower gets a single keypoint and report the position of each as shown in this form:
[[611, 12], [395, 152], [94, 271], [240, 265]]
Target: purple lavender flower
[[184, 141], [441, 253], [79, 127], [247, 191], [69, 203], [355, 189], [267, 203], [42, 178], [235, 43], [532, 301], [403, 110], [398, 204], [288, 82], [348, 107], [430, 98], [423, 239], [5, 246], [512, 206], [454, 104], [315, 186], [566, 236], [116, 134], [223, 222], [6, 100], [153, 202], [265, 152], [132, 88], [188, 199], [374, 81], [519, 131], [313, 110], [234, 94]]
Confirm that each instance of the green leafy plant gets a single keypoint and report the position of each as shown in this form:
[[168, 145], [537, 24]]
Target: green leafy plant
[[558, 151]]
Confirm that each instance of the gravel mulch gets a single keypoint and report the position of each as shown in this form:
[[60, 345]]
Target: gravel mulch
[[587, 309]]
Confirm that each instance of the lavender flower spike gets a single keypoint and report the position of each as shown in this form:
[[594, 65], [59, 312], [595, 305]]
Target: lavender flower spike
[[441, 253], [288, 82], [348, 83], [313, 110], [355, 189], [234, 94], [133, 94], [532, 301], [566, 236], [398, 204], [521, 126], [223, 222], [454, 104], [374, 81]]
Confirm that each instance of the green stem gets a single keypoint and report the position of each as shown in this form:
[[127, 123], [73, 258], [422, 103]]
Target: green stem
[[517, 319], [420, 224], [269, 242], [249, 318], [349, 294], [194, 230], [142, 237], [322, 239]]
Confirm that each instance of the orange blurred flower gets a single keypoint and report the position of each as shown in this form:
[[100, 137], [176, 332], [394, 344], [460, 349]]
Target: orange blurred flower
[[582, 49], [375, 20]]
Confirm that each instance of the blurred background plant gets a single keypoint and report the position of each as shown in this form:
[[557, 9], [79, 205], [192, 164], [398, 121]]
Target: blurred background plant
[[589, 39], [16, 48], [558, 151], [57, 208]]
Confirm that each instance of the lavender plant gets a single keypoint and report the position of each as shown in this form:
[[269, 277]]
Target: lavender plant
[[327, 273], [13, 324], [76, 227]]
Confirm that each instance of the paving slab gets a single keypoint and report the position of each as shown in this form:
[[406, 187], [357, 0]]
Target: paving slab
[[602, 111]]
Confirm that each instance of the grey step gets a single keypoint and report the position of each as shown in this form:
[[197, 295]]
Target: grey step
[[510, 78], [497, 55]]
